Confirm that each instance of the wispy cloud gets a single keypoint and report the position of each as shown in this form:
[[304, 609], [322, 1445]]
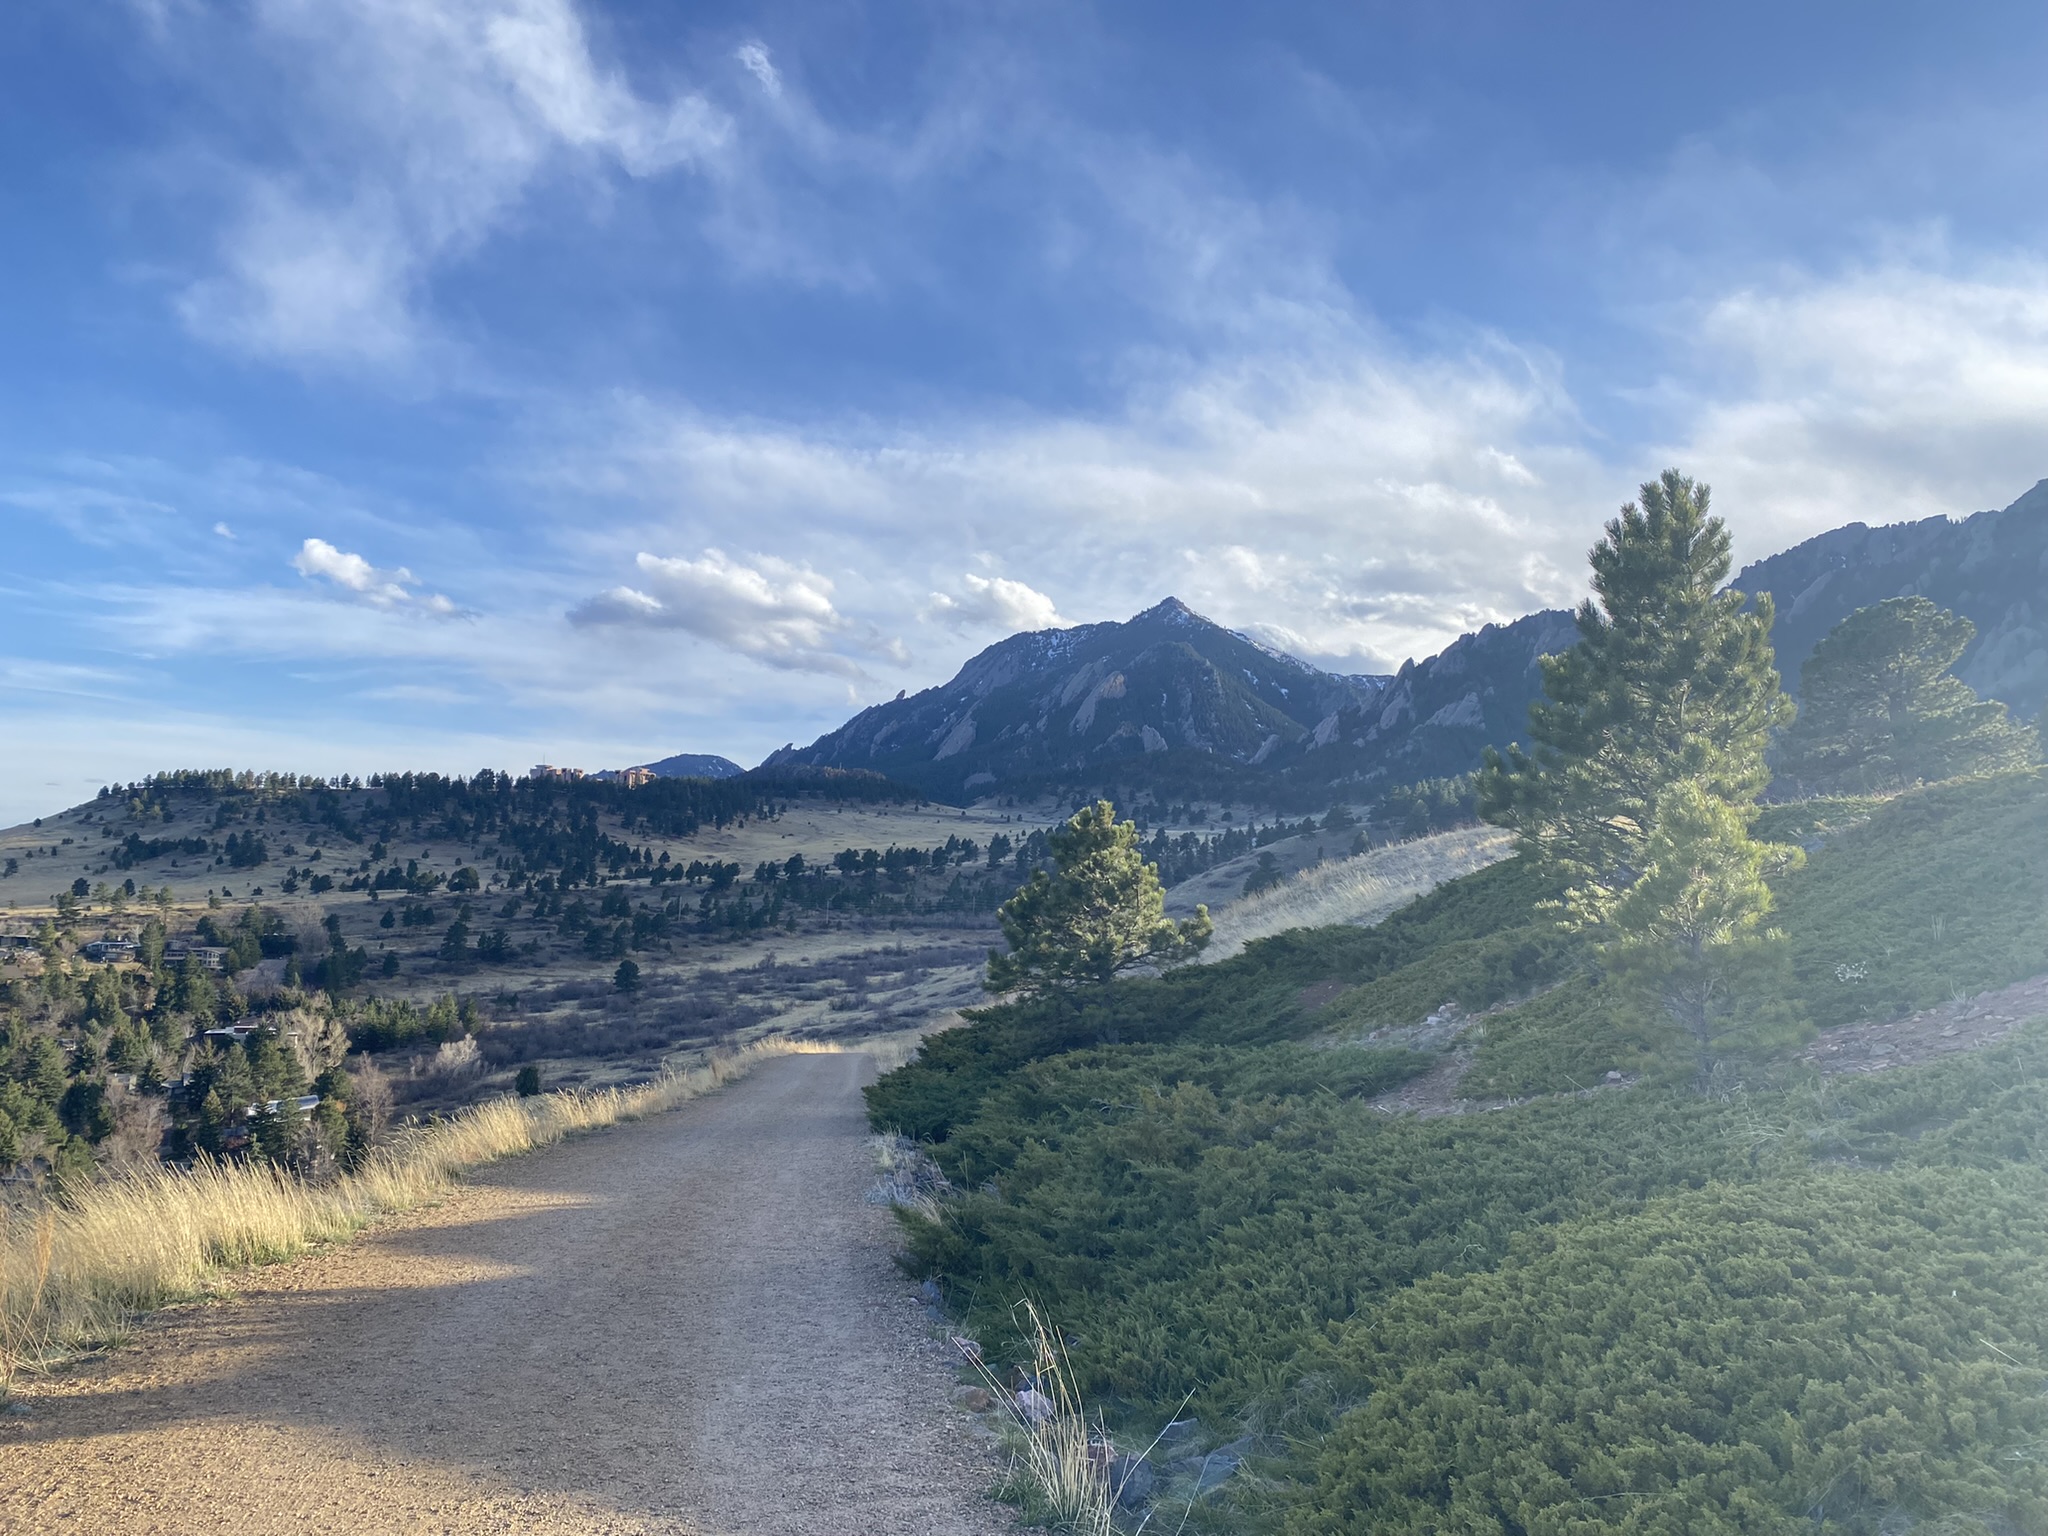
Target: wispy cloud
[[412, 132], [1368, 494], [754, 59], [351, 573], [1885, 394], [1093, 351]]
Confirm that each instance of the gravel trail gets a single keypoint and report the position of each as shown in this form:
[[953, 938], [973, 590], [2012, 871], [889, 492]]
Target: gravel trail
[[686, 1325]]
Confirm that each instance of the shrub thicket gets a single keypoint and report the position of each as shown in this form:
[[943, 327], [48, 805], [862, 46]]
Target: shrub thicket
[[1813, 1304]]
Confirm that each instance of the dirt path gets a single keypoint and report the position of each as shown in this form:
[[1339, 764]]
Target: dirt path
[[690, 1324], [1968, 1024]]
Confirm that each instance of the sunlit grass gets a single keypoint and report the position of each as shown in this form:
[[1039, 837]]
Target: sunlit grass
[[1060, 1466], [1362, 889], [72, 1275]]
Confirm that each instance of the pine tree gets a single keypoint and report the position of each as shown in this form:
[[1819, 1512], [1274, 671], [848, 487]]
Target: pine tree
[[1672, 679], [1690, 932], [1102, 912], [1647, 760], [1879, 709]]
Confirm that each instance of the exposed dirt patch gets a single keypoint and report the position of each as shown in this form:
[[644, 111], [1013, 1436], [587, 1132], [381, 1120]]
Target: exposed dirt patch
[[1435, 1092], [1872, 1047], [687, 1325], [1930, 1034]]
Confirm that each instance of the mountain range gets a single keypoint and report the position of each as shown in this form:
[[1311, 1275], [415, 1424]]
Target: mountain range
[[1991, 568], [1174, 704]]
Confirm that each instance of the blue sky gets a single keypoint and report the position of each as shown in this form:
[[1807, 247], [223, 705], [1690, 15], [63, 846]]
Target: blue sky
[[462, 383]]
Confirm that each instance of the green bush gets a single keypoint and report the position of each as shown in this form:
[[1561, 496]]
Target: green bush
[[1817, 1305], [1251, 999], [1942, 891], [1475, 974], [1569, 1038], [1814, 821], [1218, 1243], [1838, 1353]]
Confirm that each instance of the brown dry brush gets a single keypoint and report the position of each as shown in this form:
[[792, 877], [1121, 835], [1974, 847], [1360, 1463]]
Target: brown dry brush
[[1064, 1468], [24, 1273]]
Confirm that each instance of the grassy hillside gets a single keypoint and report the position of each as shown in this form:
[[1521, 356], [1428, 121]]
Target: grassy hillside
[[1811, 1304], [1903, 904], [1943, 890]]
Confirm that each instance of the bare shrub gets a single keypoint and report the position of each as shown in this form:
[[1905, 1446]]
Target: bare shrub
[[455, 1060], [370, 1098], [140, 1121], [316, 1035]]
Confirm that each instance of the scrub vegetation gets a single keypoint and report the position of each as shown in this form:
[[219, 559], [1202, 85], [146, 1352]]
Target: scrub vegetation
[[1680, 1282]]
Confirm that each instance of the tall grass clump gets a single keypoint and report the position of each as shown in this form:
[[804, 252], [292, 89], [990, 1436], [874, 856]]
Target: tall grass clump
[[1062, 1468], [73, 1274], [1357, 890]]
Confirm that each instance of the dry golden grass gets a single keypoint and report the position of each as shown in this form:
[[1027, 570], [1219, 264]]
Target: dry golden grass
[[1362, 889], [1060, 1467], [72, 1276]]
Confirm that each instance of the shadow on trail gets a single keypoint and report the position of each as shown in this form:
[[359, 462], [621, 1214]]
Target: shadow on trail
[[689, 1319]]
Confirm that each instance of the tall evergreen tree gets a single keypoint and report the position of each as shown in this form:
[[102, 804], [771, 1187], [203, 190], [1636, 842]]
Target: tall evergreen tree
[[1879, 707], [1672, 679]]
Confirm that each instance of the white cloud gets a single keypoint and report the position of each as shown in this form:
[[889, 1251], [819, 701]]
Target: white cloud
[[355, 575], [222, 530], [772, 612], [1886, 394], [754, 59], [1377, 503], [411, 132], [1355, 503], [1358, 502], [995, 603]]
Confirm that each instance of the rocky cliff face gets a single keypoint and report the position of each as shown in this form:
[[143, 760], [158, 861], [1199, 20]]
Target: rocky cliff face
[[1172, 701], [1434, 718], [1088, 704], [1991, 568]]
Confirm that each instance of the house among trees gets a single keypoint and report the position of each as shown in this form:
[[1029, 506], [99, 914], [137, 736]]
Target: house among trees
[[212, 956]]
